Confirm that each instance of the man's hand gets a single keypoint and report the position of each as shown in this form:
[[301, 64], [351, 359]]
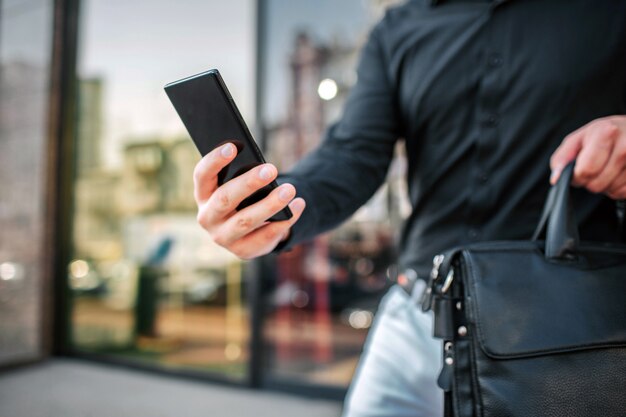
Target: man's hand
[[246, 233], [599, 149]]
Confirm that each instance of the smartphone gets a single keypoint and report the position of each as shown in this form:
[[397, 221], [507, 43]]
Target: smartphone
[[211, 117]]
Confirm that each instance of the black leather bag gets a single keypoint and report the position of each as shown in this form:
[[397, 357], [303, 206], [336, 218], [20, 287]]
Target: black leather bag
[[533, 328]]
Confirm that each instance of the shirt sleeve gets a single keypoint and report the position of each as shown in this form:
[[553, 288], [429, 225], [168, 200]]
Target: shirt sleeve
[[352, 161]]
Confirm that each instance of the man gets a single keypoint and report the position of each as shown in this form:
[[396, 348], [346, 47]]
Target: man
[[483, 93]]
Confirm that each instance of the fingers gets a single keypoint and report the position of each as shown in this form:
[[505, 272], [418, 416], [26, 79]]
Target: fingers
[[599, 149], [205, 172], [612, 174], [617, 188], [565, 153], [264, 239], [594, 156], [226, 198], [252, 217], [247, 233]]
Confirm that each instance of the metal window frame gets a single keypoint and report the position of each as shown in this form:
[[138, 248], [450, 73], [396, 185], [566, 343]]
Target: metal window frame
[[62, 128]]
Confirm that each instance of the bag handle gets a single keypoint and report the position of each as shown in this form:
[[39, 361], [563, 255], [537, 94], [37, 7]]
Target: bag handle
[[558, 215]]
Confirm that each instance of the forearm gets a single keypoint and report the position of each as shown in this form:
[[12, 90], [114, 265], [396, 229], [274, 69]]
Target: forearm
[[352, 162], [336, 180]]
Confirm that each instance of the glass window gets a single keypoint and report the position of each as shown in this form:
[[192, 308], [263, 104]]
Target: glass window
[[25, 55], [326, 291], [147, 282]]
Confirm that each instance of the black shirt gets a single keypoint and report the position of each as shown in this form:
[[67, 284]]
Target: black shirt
[[482, 93]]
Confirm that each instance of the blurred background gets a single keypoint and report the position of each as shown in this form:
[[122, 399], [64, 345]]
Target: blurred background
[[101, 257]]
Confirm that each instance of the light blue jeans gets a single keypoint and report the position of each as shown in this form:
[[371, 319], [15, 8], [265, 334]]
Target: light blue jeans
[[398, 369]]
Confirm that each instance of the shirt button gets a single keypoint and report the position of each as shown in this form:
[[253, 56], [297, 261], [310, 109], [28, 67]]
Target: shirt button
[[495, 61], [473, 234], [491, 120], [483, 177]]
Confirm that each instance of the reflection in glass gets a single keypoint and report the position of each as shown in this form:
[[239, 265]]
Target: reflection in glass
[[25, 58], [147, 282], [327, 290]]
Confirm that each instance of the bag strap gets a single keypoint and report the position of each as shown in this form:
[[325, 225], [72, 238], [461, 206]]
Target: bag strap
[[559, 220], [547, 209]]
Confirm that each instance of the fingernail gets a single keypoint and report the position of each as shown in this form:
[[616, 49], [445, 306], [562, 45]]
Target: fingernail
[[227, 150], [297, 204], [285, 193], [265, 173], [554, 175]]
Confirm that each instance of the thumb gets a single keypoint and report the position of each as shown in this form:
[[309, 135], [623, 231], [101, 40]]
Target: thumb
[[564, 154]]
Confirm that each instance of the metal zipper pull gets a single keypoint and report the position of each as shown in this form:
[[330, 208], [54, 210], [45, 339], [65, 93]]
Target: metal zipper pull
[[437, 261], [448, 282], [447, 372], [427, 296]]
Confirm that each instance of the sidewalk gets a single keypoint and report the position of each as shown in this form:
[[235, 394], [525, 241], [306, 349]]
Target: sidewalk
[[70, 388]]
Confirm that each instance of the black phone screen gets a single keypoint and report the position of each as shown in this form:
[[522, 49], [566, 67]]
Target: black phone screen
[[211, 117]]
